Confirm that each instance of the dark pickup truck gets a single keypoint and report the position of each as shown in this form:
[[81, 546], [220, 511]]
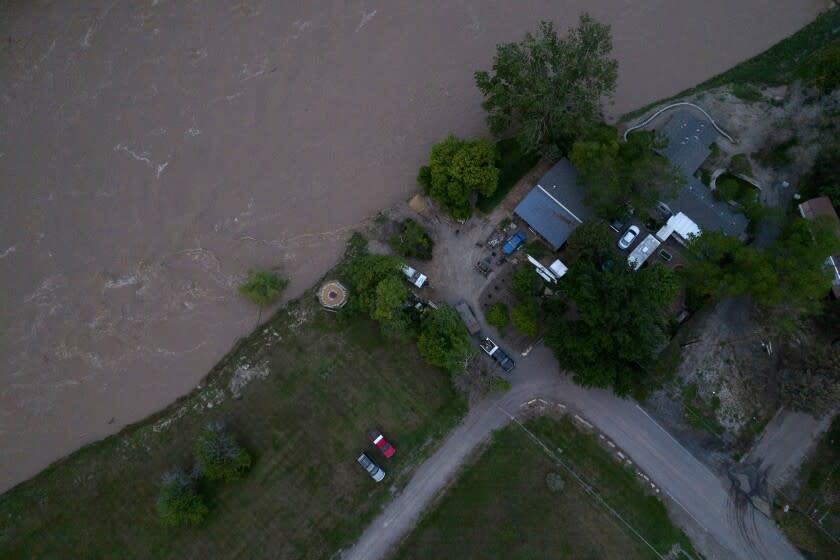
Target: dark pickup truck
[[492, 349]]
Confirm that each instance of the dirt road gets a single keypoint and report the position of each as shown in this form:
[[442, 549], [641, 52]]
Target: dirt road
[[697, 498], [151, 152]]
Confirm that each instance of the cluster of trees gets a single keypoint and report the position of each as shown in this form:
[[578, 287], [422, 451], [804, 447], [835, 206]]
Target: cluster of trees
[[457, 171], [412, 241], [263, 287], [789, 274], [824, 178], [218, 458], [621, 174], [548, 89], [379, 290], [620, 323]]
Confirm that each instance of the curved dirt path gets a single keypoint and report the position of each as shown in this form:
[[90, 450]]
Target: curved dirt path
[[699, 502]]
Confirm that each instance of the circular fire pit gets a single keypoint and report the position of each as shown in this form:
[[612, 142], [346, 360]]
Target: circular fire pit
[[332, 295]]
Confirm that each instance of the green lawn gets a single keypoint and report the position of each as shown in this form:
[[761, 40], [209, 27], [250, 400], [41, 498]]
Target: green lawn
[[330, 380], [513, 165], [778, 65], [501, 506], [813, 522]]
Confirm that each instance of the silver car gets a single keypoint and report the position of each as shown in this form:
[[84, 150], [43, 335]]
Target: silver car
[[372, 468], [628, 238]]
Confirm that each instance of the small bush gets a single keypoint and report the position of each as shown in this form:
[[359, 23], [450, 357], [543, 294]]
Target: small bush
[[536, 249], [746, 92], [220, 457], [554, 482], [179, 504], [412, 241], [777, 154], [263, 287], [525, 283], [524, 318], [740, 164], [500, 384], [497, 315]]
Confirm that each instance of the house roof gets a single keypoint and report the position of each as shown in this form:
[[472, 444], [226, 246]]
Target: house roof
[[555, 207], [821, 206], [695, 200], [689, 139], [680, 224]]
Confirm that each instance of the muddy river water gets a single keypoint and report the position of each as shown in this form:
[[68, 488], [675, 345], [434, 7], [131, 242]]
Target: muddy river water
[[152, 151]]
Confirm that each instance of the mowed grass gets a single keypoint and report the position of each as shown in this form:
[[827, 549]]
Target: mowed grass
[[330, 380], [501, 506]]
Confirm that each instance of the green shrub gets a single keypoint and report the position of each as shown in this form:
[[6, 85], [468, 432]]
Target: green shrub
[[777, 154], [525, 283], [554, 482], [740, 164], [263, 287], [524, 318], [536, 249], [179, 504], [822, 68], [746, 92], [220, 457], [500, 384], [497, 315], [412, 241]]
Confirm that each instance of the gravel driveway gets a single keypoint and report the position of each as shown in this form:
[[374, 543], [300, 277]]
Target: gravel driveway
[[698, 500]]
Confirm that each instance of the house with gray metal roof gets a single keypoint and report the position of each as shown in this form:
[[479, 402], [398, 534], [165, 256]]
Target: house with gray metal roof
[[555, 207], [689, 139]]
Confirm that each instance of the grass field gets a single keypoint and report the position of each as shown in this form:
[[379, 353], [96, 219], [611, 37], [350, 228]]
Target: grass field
[[513, 165], [329, 381], [777, 65], [813, 522], [501, 506]]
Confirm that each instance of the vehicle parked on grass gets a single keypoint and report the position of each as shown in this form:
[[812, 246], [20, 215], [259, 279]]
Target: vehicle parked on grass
[[492, 349], [372, 468], [413, 276], [514, 242], [381, 443], [628, 238]]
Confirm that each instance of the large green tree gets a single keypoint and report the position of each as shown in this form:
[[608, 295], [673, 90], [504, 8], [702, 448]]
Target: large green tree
[[379, 290], [458, 168], [790, 274], [617, 174], [548, 88], [590, 241], [619, 326], [444, 340]]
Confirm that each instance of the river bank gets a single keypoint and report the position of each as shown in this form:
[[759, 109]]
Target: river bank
[[149, 160]]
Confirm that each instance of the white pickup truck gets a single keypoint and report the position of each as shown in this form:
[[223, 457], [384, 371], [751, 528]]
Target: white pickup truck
[[414, 276]]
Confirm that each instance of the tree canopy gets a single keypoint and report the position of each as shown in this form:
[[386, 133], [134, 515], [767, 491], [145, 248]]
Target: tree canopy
[[220, 457], [549, 89], [456, 169], [444, 340], [379, 291], [412, 241], [179, 504], [790, 273], [590, 241], [619, 326], [617, 174], [263, 287]]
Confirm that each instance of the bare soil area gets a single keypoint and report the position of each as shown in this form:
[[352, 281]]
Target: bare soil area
[[150, 153]]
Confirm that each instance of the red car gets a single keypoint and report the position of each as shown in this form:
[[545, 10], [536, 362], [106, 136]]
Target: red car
[[379, 441]]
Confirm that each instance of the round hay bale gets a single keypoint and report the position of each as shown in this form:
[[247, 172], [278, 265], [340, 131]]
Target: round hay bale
[[332, 295]]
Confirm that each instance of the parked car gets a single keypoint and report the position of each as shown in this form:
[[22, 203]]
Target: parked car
[[372, 468], [513, 243], [628, 238], [381, 443], [492, 349], [413, 276]]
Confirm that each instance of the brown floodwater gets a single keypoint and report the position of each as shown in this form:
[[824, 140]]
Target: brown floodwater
[[151, 152]]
